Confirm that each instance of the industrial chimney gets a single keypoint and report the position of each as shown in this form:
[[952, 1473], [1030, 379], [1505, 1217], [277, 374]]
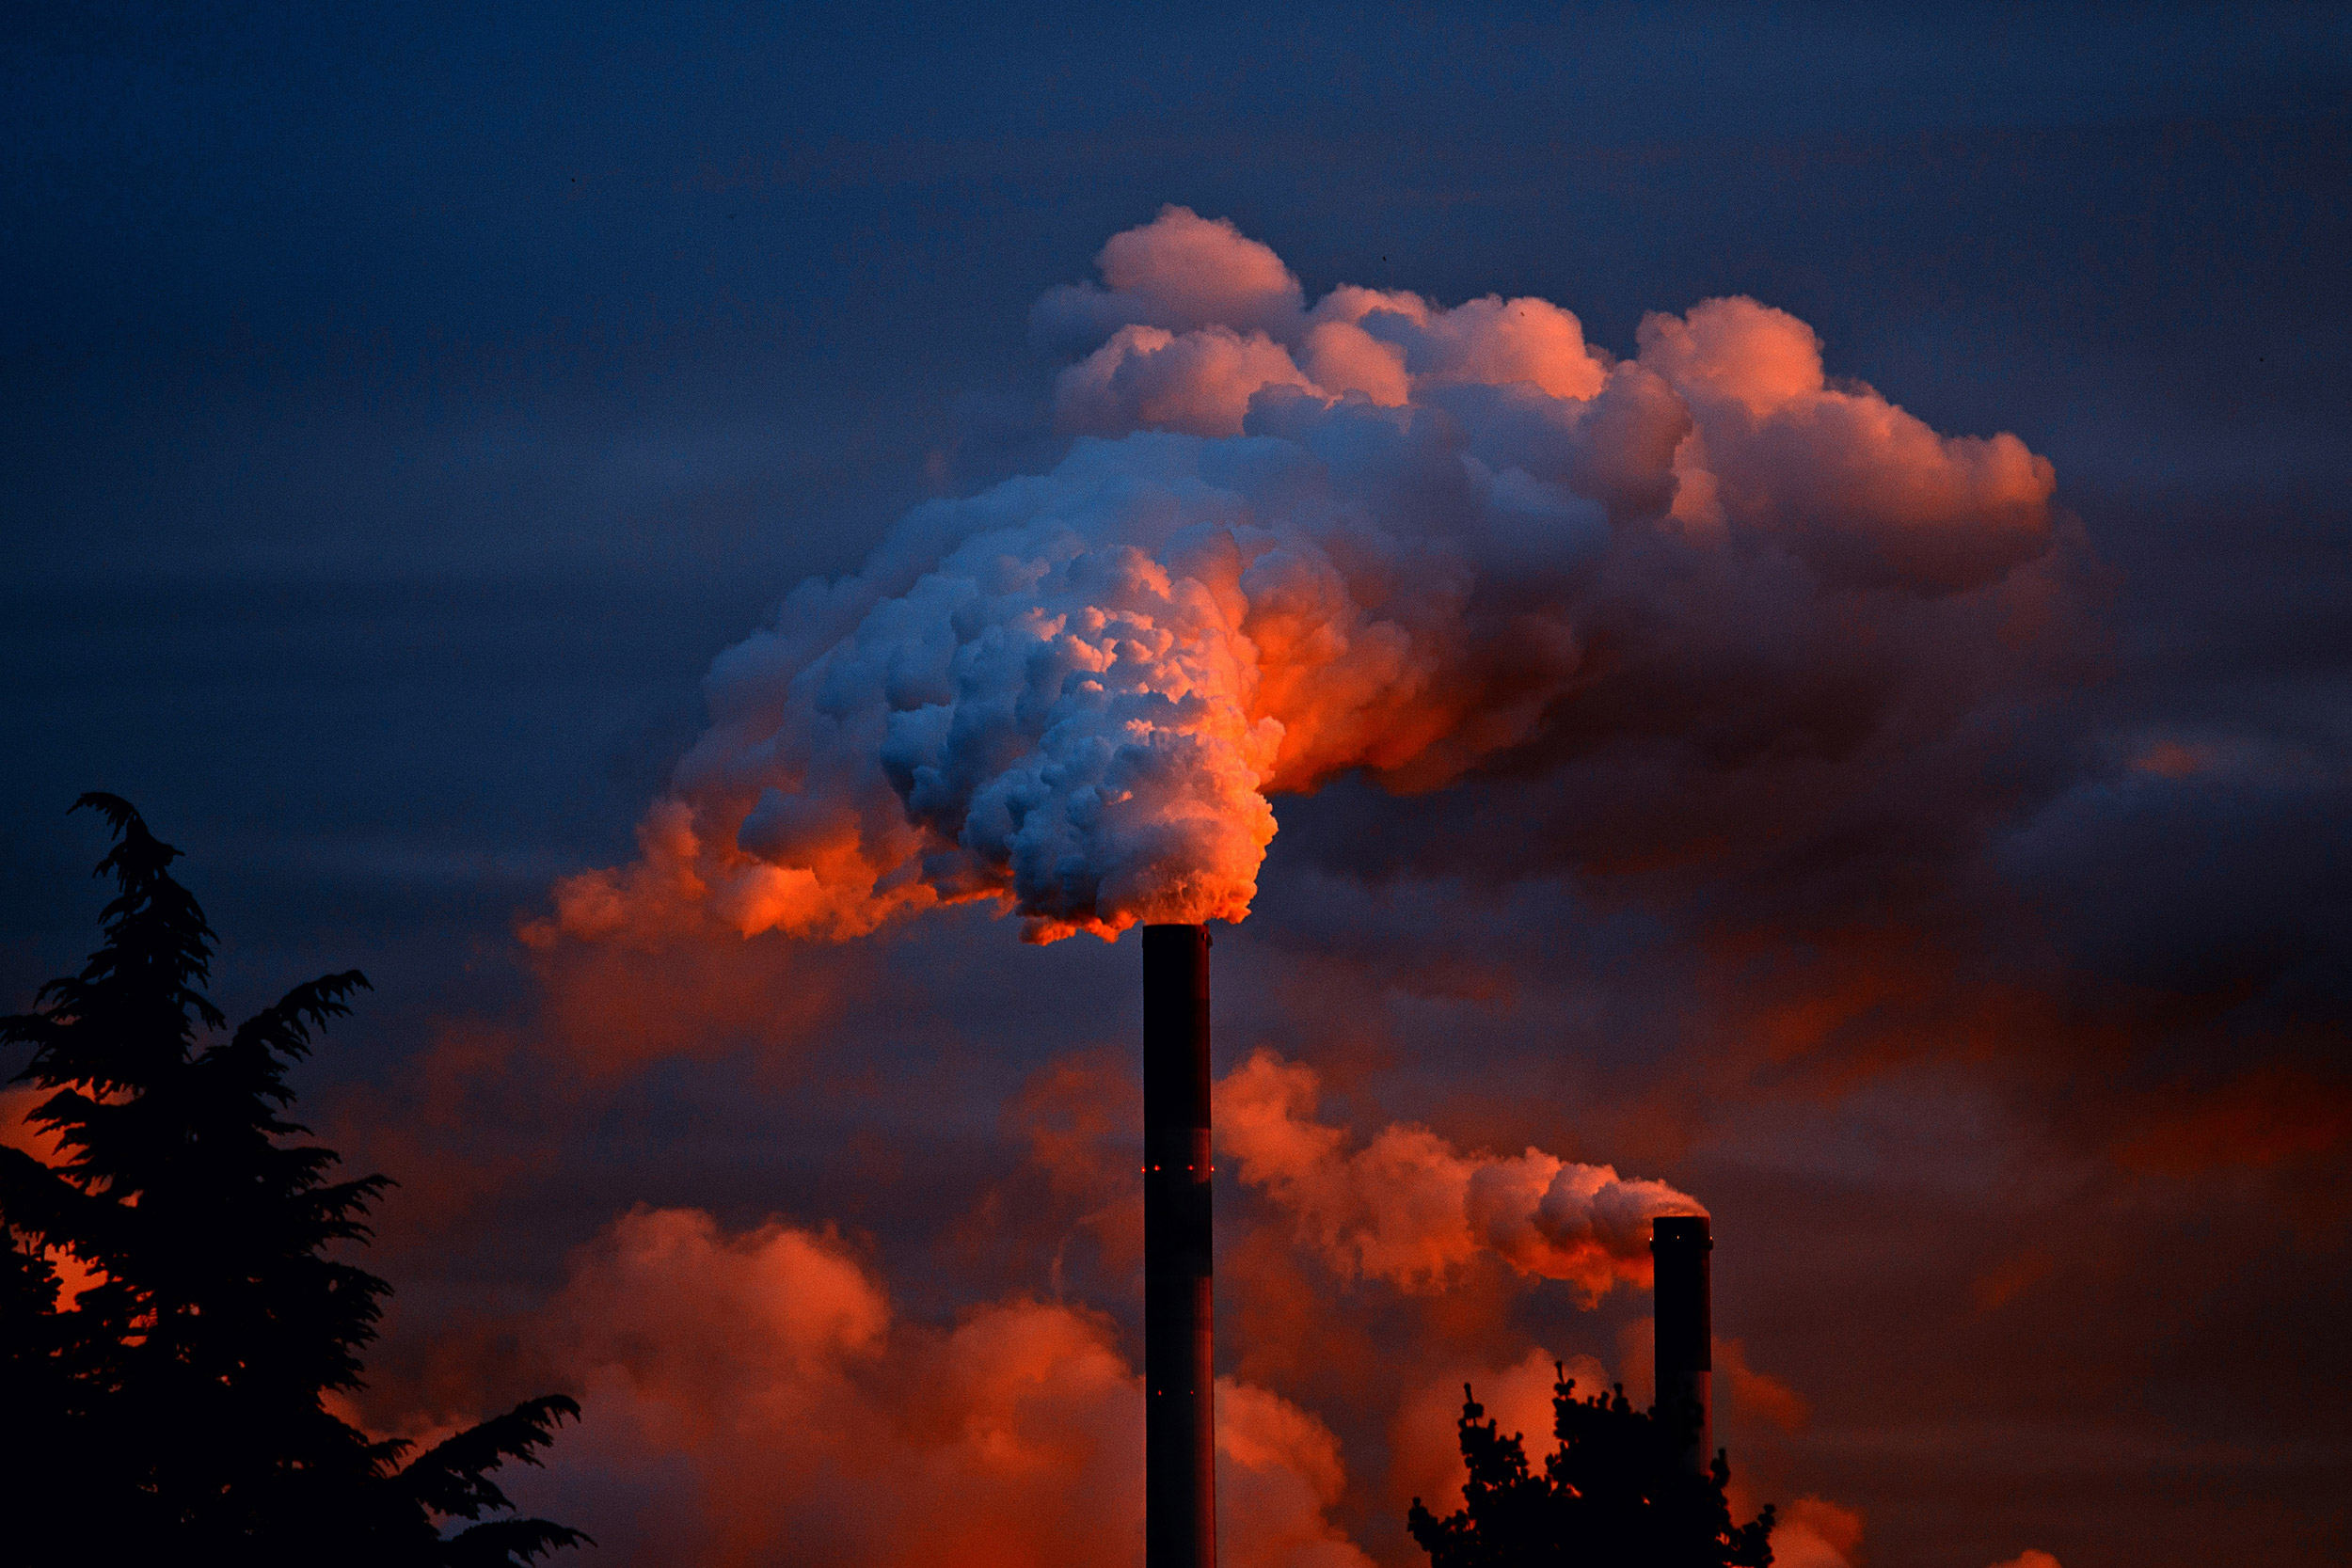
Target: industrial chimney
[[1178, 1439], [1678, 1245]]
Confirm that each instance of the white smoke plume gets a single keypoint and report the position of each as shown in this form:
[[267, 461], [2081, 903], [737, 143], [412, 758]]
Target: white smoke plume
[[1411, 1209], [1289, 541]]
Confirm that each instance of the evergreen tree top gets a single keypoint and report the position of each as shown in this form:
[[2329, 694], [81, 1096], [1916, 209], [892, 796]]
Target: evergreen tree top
[[1614, 1493], [153, 926], [181, 1396]]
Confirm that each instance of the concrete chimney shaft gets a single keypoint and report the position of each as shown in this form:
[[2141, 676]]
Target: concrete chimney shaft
[[1179, 1433], [1680, 1245]]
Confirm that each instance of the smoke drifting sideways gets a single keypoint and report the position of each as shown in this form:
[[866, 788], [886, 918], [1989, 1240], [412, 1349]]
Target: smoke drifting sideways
[[1290, 541], [1410, 1208]]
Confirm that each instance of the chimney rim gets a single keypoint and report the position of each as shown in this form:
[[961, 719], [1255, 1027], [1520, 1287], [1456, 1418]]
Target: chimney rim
[[1681, 1230]]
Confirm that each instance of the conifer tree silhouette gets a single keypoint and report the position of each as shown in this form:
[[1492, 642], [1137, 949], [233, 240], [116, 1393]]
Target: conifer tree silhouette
[[1615, 1493], [174, 1412]]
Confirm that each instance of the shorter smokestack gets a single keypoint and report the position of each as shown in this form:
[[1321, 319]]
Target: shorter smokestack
[[1678, 1246]]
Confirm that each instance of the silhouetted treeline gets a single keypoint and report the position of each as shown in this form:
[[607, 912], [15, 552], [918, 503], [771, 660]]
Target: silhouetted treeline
[[173, 1413], [1615, 1493]]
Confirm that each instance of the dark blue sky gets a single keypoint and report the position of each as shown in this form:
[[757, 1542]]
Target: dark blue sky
[[403, 406]]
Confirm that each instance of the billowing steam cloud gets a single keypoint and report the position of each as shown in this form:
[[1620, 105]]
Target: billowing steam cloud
[[1290, 541], [1409, 1207]]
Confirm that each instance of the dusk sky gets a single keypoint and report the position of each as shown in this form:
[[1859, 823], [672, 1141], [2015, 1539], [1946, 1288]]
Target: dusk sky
[[1759, 600]]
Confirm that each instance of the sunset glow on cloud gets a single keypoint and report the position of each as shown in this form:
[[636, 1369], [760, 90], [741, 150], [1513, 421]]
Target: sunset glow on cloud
[[1410, 1208], [1372, 533], [736, 1387]]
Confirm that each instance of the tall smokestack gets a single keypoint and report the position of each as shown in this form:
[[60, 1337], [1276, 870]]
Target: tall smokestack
[[1178, 1439], [1678, 1246]]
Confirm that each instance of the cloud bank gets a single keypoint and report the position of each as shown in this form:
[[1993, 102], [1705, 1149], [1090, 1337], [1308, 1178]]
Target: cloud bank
[[750, 1395]]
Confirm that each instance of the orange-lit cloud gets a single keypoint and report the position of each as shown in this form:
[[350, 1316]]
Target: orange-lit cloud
[[1180, 272], [1756, 1396], [1278, 1475], [2262, 1119], [753, 1393], [1411, 1209], [1148, 378], [1372, 533], [1863, 490], [1813, 1532], [1425, 1456], [1079, 1116]]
